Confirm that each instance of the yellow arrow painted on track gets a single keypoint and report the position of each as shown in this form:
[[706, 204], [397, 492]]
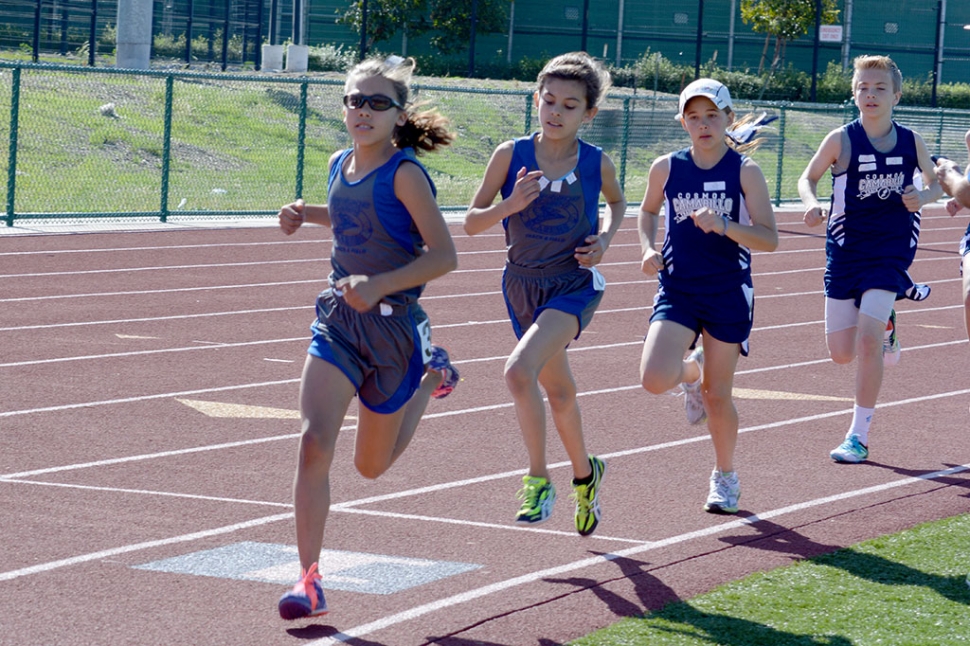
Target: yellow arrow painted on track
[[242, 411], [751, 393]]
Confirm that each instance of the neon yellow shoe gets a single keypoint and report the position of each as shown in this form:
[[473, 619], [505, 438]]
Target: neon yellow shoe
[[537, 496], [587, 498]]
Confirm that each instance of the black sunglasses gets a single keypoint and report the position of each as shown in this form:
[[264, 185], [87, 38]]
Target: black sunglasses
[[377, 102]]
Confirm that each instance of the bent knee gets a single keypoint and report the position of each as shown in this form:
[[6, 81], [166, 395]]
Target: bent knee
[[841, 357], [655, 384], [370, 467]]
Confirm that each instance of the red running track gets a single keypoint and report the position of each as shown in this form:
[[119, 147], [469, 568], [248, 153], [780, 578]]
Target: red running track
[[149, 387]]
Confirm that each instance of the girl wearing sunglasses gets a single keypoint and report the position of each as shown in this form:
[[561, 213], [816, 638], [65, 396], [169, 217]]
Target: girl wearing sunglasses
[[371, 338], [550, 183]]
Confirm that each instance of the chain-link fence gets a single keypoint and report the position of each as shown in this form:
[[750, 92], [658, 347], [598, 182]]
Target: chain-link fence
[[92, 142]]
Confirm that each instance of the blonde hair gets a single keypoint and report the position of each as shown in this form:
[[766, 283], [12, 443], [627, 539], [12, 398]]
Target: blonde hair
[[579, 66], [424, 130], [745, 143], [884, 63]]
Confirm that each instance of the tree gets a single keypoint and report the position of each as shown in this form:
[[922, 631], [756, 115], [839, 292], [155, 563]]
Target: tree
[[449, 21], [385, 18], [785, 20]]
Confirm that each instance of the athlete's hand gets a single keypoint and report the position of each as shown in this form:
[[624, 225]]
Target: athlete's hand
[[815, 216], [526, 189], [291, 216], [592, 253], [912, 199], [652, 262], [953, 207], [359, 292], [708, 221]]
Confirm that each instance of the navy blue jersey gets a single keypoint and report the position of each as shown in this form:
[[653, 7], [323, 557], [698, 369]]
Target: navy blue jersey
[[545, 234], [870, 229], [694, 261], [373, 232]]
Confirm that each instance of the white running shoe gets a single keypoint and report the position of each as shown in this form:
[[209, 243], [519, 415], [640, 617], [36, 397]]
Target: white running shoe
[[693, 398], [891, 349], [724, 493]]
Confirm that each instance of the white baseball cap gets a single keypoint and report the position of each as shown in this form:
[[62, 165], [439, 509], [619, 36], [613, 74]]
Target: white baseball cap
[[713, 90]]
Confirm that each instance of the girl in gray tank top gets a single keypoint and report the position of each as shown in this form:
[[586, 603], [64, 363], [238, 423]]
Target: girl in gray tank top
[[371, 338], [550, 185]]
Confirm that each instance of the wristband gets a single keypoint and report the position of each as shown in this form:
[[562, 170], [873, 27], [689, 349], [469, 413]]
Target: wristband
[[726, 221]]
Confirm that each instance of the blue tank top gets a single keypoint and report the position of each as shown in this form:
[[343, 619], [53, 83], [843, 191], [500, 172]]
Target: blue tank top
[[546, 233], [868, 224], [373, 232], [694, 261]]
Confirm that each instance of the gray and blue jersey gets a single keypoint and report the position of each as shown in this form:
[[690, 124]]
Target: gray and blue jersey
[[382, 352], [546, 233], [541, 271], [872, 237], [373, 232]]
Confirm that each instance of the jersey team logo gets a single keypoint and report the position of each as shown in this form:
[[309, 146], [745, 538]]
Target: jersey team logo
[[351, 226], [685, 204], [882, 186], [553, 216]]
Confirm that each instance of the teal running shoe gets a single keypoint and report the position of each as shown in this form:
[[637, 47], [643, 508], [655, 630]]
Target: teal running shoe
[[851, 451]]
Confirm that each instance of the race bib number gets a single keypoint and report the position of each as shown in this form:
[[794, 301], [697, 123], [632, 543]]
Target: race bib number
[[424, 333]]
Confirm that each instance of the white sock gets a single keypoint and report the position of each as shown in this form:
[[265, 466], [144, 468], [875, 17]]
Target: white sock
[[861, 418]]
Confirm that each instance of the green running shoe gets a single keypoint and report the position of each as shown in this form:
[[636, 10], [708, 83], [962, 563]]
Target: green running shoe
[[587, 498], [537, 496]]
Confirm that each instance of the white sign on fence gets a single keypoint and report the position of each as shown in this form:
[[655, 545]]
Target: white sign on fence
[[830, 33]]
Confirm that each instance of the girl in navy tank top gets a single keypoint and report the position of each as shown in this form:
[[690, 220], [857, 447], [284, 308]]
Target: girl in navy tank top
[[716, 210]]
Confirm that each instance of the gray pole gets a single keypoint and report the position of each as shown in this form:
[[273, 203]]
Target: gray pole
[[700, 34], [815, 46], [134, 34]]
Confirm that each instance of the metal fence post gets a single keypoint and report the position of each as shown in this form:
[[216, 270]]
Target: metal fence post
[[939, 133], [625, 142], [166, 145], [528, 114], [12, 154], [301, 139], [781, 155]]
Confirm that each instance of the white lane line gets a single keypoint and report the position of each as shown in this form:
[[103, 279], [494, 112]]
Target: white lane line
[[54, 252], [126, 549], [483, 591], [142, 398], [147, 492], [129, 270], [149, 292], [531, 577], [479, 479], [472, 523]]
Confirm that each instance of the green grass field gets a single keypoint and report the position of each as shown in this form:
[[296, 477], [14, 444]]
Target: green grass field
[[234, 138], [907, 589]]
